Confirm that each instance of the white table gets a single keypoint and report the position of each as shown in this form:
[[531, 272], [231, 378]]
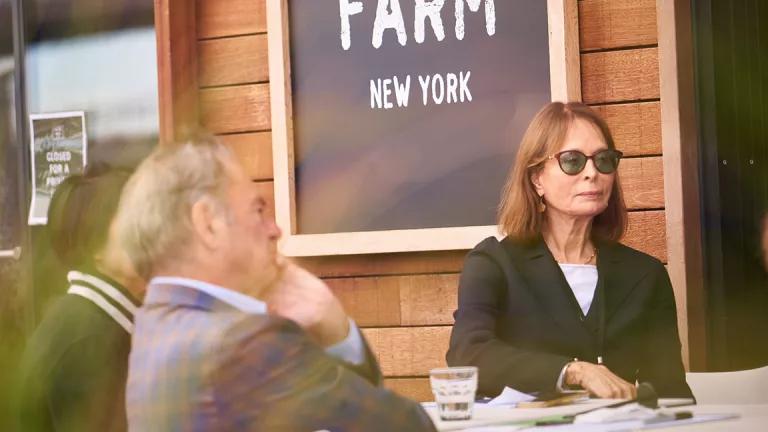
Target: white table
[[751, 417]]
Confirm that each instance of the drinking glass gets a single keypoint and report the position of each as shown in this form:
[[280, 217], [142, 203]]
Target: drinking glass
[[454, 389]]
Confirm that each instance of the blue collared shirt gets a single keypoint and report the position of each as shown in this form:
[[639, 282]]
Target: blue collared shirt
[[350, 350]]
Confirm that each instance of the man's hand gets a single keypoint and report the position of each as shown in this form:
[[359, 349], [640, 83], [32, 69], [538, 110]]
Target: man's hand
[[599, 381], [304, 298]]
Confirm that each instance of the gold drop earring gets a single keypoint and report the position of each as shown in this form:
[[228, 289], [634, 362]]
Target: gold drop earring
[[542, 204]]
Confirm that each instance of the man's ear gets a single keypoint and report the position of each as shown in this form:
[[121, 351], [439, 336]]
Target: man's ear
[[536, 181], [207, 223]]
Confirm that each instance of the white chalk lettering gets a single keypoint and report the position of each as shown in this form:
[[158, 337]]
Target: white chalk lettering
[[438, 88], [347, 9], [376, 93], [450, 90], [424, 81], [388, 20], [402, 91], [464, 86], [474, 6], [389, 16], [381, 90], [387, 91], [451, 84], [428, 9]]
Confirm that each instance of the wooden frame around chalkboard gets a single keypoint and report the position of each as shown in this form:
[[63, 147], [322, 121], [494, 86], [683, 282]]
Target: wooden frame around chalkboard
[[565, 81]]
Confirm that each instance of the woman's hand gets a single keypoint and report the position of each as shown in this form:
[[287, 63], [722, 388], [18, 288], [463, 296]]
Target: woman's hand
[[599, 381]]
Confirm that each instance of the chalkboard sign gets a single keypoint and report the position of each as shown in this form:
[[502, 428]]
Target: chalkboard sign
[[396, 121]]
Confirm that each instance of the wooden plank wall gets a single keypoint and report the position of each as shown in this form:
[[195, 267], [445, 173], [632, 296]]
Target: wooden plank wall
[[405, 302]]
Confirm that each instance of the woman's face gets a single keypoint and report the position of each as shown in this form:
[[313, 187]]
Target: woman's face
[[585, 194]]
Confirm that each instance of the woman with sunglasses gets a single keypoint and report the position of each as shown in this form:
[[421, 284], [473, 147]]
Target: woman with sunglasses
[[559, 303]]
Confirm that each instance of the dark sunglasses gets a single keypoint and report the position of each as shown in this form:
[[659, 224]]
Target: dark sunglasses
[[573, 162]]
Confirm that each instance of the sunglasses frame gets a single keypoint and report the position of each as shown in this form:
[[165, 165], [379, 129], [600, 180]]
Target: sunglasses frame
[[619, 154]]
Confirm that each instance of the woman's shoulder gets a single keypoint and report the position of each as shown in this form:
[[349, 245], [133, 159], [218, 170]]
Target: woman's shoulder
[[503, 251], [507, 243], [487, 244], [486, 253], [630, 254], [495, 246]]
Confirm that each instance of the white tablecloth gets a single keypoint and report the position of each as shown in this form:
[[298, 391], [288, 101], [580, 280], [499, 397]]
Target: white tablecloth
[[503, 418]]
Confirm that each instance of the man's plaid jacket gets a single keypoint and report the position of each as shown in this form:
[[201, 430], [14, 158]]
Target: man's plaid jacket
[[199, 364]]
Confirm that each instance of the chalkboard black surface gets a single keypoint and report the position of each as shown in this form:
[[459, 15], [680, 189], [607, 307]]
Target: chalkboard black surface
[[410, 134]]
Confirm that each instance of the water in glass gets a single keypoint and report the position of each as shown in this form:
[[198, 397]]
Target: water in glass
[[454, 389]]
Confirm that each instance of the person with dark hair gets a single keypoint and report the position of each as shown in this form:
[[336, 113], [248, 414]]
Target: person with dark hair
[[559, 301], [75, 364]]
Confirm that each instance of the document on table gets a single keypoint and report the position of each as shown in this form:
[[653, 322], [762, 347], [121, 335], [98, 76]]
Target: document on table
[[607, 427], [511, 396]]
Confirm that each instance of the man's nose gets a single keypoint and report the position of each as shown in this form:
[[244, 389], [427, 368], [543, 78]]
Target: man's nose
[[274, 231]]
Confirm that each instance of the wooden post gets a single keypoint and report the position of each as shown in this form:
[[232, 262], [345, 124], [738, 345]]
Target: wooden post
[[564, 56], [681, 176], [175, 25]]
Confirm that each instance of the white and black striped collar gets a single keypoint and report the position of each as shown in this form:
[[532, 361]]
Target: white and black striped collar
[[108, 296]]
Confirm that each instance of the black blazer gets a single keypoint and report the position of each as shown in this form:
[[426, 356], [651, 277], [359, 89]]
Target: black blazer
[[519, 322]]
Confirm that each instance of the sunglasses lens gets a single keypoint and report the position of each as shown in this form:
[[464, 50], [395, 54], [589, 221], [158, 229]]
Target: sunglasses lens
[[572, 162], [607, 161]]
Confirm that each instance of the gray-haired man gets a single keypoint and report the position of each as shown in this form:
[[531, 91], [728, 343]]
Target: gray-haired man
[[230, 336]]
